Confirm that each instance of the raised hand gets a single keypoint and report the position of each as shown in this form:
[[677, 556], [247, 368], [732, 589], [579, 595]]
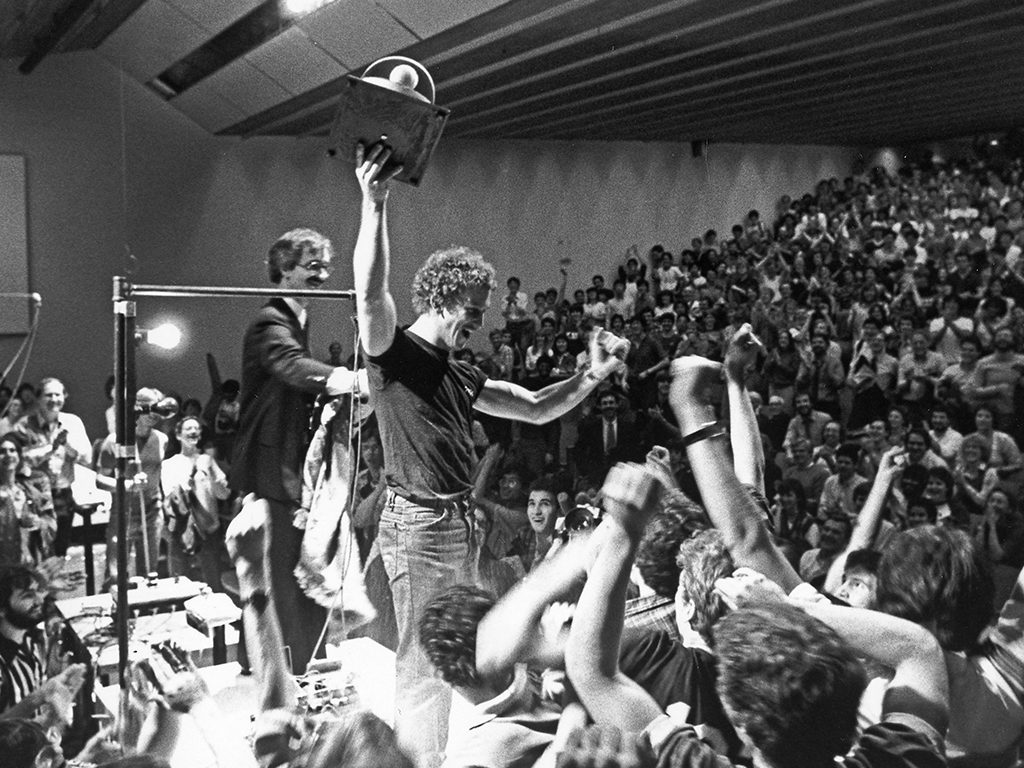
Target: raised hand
[[607, 353], [630, 495], [696, 389], [892, 460], [659, 462], [742, 352], [748, 587], [177, 677], [59, 692], [57, 575], [370, 171]]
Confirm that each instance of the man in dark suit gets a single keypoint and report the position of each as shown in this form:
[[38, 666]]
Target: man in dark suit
[[607, 437], [280, 382]]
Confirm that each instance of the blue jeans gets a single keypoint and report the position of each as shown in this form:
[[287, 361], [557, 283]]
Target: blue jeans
[[425, 551]]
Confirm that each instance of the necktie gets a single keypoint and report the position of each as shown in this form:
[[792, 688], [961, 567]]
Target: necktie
[[609, 436]]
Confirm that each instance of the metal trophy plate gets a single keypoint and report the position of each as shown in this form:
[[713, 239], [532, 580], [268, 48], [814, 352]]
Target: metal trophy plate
[[369, 113]]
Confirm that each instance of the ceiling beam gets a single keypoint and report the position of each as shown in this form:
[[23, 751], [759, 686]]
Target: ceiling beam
[[110, 15], [62, 23]]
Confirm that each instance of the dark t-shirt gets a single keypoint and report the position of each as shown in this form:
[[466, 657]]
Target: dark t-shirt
[[889, 744], [673, 673], [424, 404]]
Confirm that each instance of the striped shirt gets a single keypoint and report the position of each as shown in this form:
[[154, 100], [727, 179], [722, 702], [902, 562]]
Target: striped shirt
[[21, 669]]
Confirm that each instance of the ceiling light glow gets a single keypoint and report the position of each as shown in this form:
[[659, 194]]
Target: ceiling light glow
[[303, 7]]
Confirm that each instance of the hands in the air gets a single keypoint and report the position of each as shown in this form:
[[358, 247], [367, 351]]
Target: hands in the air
[[373, 171]]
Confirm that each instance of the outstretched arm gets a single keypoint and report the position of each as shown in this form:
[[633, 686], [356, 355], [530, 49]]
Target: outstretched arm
[[511, 401], [510, 632], [592, 654], [920, 686], [371, 262], [695, 382]]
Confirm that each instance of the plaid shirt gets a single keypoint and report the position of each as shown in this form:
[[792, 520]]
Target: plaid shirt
[[653, 612]]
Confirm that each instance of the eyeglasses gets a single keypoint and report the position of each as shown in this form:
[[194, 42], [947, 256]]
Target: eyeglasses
[[317, 266]]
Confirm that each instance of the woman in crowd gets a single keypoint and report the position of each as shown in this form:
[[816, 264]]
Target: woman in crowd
[[791, 517], [27, 522], [1004, 455], [897, 420], [1001, 531], [194, 485], [974, 478], [781, 369]]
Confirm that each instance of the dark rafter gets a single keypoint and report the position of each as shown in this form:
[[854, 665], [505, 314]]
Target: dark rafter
[[62, 23]]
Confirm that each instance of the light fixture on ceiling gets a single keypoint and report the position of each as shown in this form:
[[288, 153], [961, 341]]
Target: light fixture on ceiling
[[303, 7]]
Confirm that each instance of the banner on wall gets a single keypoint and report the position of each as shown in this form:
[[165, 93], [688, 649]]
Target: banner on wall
[[14, 313]]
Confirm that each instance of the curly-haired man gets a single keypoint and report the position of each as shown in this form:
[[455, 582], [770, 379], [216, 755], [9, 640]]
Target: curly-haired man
[[424, 400]]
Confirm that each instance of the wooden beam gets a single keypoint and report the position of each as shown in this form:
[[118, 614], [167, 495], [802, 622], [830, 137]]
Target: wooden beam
[[99, 23], [62, 23]]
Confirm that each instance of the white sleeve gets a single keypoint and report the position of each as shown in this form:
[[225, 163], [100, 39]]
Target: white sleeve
[[343, 381]]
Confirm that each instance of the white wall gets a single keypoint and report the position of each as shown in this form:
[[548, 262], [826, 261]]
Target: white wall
[[113, 170]]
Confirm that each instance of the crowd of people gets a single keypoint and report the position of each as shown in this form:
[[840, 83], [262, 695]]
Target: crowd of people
[[758, 502]]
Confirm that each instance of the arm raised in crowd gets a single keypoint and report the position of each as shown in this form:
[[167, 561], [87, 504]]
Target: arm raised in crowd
[[592, 653], [920, 686], [744, 433], [869, 519], [510, 632], [695, 384]]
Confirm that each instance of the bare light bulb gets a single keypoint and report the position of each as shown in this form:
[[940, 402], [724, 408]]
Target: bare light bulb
[[166, 336]]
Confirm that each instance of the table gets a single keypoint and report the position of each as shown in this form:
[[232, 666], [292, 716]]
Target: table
[[371, 665], [91, 618]]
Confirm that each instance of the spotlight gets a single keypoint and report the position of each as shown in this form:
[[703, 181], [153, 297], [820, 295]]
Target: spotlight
[[303, 7], [166, 336]]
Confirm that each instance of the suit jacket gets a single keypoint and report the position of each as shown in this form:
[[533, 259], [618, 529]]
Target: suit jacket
[[280, 382], [591, 460]]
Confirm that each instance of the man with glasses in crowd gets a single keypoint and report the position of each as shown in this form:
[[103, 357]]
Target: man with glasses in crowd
[[280, 382]]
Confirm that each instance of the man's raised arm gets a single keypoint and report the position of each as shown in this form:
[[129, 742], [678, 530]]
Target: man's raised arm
[[511, 401], [592, 653], [371, 262], [744, 433]]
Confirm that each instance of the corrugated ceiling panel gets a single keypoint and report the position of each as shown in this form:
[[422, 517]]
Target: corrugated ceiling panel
[[208, 107], [153, 38], [428, 18], [356, 32], [295, 62], [215, 15], [246, 87]]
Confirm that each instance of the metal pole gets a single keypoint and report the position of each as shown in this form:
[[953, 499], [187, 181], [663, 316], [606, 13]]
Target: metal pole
[[229, 290], [124, 407], [124, 447]]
